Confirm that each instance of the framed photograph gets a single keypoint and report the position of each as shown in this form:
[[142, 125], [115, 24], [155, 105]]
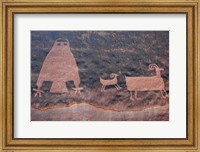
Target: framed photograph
[[99, 76]]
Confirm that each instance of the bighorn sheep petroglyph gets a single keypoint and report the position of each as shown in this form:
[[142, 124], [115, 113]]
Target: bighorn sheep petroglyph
[[146, 83], [112, 81]]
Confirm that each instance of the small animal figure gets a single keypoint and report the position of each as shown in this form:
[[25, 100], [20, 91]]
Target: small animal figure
[[109, 82], [146, 83]]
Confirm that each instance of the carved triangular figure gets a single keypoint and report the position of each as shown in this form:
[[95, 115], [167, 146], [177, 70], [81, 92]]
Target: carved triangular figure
[[59, 67]]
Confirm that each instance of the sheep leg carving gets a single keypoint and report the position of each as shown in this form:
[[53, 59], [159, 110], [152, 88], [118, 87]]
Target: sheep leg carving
[[118, 86], [131, 95], [102, 88], [135, 95], [161, 91], [165, 92]]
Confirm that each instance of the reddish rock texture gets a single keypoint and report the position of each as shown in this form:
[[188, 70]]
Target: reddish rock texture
[[87, 112], [92, 53]]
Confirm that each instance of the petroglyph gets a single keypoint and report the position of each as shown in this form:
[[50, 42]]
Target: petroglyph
[[112, 81], [58, 67], [146, 83], [66, 80]]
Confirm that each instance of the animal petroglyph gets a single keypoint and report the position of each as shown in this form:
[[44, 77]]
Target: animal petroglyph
[[146, 83], [112, 81], [59, 67]]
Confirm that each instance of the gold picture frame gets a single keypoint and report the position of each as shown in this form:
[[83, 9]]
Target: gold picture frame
[[11, 7]]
